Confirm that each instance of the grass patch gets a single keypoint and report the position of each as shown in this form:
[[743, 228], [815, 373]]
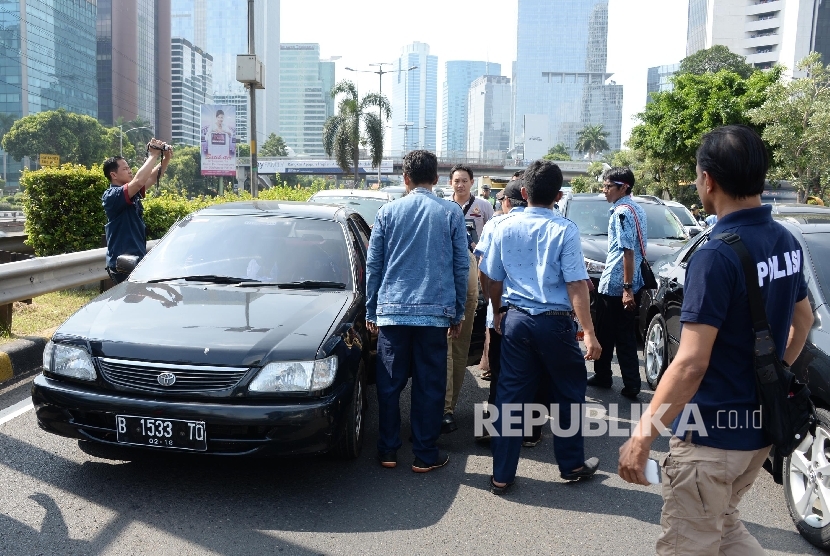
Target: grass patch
[[46, 311]]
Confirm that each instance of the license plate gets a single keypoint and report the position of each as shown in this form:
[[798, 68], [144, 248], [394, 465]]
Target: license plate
[[161, 433]]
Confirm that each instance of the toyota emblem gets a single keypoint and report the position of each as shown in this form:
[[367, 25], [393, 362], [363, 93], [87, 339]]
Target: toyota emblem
[[167, 379]]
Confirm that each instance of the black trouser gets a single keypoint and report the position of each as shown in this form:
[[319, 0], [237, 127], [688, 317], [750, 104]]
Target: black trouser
[[494, 354], [616, 328]]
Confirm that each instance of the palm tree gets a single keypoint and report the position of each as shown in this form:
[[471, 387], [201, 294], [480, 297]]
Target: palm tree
[[592, 139], [341, 132]]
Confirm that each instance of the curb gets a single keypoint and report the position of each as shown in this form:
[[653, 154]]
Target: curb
[[21, 356]]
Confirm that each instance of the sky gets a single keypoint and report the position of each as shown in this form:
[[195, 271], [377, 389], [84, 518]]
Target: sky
[[641, 34]]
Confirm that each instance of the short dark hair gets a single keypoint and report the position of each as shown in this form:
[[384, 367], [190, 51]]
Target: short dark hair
[[517, 175], [542, 181], [620, 174], [111, 165], [461, 168], [736, 158], [220, 113], [421, 166]]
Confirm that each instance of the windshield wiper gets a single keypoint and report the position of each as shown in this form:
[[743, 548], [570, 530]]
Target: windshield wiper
[[216, 279], [303, 284]]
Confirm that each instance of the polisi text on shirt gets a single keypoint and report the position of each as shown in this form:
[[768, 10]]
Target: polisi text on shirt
[[771, 267]]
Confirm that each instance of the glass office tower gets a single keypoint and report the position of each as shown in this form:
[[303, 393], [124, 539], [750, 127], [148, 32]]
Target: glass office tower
[[459, 76], [560, 72], [305, 82], [414, 99]]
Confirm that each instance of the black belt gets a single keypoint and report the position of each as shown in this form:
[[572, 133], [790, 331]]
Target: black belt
[[546, 313]]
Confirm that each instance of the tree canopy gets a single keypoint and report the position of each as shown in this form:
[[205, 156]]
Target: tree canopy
[[273, 146], [715, 59], [558, 152], [592, 139]]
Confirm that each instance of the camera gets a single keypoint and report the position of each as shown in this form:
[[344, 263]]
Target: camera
[[162, 147]]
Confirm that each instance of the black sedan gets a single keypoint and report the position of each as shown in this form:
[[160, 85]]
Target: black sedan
[[589, 212], [241, 332], [808, 502]]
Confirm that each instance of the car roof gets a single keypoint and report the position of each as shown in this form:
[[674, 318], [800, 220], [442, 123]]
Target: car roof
[[808, 220], [800, 208], [282, 208], [674, 204], [649, 200], [393, 188], [360, 193]]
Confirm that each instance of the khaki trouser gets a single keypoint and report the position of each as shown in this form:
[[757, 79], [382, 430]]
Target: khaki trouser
[[457, 349], [702, 487]]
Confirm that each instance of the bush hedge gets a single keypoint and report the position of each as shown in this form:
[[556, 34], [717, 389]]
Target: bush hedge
[[63, 208]]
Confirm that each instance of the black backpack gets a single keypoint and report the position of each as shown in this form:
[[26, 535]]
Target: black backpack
[[787, 412]]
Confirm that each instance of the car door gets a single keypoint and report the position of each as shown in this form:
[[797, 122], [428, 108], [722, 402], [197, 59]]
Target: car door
[[674, 278]]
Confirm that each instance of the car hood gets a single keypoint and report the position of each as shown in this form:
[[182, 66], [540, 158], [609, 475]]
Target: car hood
[[596, 248], [206, 324]]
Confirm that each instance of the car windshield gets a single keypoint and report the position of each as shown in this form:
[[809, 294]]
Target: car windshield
[[683, 214], [819, 247], [243, 247], [591, 217], [366, 207]]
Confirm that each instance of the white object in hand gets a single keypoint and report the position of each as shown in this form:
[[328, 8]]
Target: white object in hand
[[652, 471]]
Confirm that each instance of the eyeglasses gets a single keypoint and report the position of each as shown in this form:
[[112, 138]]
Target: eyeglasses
[[608, 185]]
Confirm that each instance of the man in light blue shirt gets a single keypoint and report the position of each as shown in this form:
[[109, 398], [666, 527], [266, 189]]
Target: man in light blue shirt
[[618, 294], [534, 261]]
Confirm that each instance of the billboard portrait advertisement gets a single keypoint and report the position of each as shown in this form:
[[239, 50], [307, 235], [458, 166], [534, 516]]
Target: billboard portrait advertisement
[[218, 130]]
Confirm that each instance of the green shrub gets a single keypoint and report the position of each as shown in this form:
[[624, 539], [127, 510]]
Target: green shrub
[[63, 208]]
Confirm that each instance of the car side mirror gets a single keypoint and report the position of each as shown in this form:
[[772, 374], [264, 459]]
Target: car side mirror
[[126, 263], [693, 232]]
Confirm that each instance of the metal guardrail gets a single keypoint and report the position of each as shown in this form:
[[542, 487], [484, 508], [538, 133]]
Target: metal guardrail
[[27, 279], [14, 242]]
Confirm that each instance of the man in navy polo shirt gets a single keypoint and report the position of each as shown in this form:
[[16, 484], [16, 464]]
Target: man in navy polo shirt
[[717, 446], [125, 228]]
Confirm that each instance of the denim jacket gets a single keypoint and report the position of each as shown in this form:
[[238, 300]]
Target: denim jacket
[[417, 262]]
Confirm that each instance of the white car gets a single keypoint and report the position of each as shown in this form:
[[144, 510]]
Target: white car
[[365, 202], [692, 226]]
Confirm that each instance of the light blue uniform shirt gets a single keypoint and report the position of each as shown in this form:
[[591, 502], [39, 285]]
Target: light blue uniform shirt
[[535, 253], [622, 234], [483, 243]]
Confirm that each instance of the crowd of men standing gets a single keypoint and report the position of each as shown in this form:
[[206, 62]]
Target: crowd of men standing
[[421, 268]]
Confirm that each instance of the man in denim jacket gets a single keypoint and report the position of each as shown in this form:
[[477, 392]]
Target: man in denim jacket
[[416, 286]]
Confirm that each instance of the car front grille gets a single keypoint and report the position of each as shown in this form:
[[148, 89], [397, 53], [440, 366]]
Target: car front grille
[[142, 375]]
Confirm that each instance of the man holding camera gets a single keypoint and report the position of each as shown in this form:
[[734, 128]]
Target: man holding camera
[[125, 230]]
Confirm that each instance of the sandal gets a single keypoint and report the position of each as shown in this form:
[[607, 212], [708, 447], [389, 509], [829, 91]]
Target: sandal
[[499, 490], [486, 375]]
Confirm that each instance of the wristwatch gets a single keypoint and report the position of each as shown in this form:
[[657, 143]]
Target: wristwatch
[[627, 285]]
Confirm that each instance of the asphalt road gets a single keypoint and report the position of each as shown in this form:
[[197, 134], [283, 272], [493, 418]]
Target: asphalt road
[[57, 499]]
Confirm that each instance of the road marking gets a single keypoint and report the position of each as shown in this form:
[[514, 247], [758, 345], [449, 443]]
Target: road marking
[[16, 410]]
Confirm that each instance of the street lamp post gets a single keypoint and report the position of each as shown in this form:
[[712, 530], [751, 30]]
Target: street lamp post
[[121, 137]]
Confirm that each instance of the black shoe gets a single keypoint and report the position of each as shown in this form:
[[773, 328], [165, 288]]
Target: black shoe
[[587, 470], [483, 439], [419, 466], [499, 490], [597, 382], [530, 442], [448, 424], [388, 459], [630, 393]]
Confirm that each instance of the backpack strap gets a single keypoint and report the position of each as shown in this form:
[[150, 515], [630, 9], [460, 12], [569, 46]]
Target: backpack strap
[[637, 224]]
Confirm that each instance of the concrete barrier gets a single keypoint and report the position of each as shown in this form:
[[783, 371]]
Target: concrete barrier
[[21, 356]]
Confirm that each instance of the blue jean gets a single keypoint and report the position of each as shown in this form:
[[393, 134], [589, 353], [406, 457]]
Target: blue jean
[[419, 351], [532, 346]]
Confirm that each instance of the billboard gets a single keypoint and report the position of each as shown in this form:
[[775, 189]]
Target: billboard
[[308, 166], [218, 131], [537, 140]]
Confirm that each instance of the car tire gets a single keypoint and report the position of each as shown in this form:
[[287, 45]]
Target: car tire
[[801, 476], [655, 350], [351, 440]]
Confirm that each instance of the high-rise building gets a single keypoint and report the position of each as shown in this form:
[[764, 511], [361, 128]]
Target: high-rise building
[[47, 61], [488, 117], [220, 28], [459, 75], [304, 85], [133, 62], [659, 79], [192, 87], [414, 99], [766, 32], [559, 78], [821, 31]]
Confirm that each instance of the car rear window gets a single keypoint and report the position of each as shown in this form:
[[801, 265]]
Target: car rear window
[[683, 214]]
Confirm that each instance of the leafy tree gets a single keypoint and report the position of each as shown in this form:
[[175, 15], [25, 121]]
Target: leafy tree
[[6, 122], [592, 139], [243, 149], [715, 59], [76, 138], [183, 175], [668, 136], [584, 184], [113, 141], [341, 133], [274, 146], [558, 152], [796, 119]]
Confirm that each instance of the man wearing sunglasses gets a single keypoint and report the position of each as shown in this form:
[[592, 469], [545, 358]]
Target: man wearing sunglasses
[[618, 294]]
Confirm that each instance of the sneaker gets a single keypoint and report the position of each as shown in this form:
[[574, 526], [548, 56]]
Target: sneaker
[[388, 459], [598, 382], [587, 470], [630, 393], [531, 442], [419, 466]]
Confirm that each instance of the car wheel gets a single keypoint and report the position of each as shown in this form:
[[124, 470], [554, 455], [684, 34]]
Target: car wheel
[[807, 484], [351, 441], [654, 350]]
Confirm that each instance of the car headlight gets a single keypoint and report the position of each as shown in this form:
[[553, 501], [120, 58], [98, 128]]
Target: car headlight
[[594, 266], [295, 376], [71, 361]]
